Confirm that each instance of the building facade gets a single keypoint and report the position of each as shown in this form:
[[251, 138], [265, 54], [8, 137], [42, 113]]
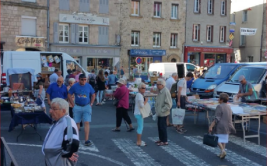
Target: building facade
[[207, 31], [151, 31], [23, 25], [252, 15], [87, 30]]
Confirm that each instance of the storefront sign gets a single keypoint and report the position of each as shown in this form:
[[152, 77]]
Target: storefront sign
[[232, 23], [27, 41], [231, 30], [83, 19], [136, 52], [209, 50], [248, 31]]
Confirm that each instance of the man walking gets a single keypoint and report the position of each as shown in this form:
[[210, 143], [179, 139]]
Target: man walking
[[84, 99], [57, 90], [182, 98], [163, 105], [53, 77]]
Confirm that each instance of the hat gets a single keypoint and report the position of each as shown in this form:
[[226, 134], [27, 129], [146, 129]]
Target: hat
[[38, 75], [241, 78], [121, 81], [82, 76]]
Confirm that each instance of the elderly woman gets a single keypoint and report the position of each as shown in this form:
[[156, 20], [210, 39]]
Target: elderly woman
[[140, 103], [71, 82], [39, 91], [122, 94], [222, 123]]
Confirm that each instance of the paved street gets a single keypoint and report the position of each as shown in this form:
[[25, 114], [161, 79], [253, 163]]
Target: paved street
[[118, 148]]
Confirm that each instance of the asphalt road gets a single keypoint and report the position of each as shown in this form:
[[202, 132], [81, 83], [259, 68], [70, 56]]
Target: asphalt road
[[118, 148]]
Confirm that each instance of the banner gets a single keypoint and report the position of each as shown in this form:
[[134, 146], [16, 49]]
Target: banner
[[27, 41], [248, 31]]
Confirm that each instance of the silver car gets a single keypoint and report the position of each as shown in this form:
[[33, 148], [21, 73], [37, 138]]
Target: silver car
[[253, 74]]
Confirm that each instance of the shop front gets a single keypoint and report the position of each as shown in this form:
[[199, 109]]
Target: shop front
[[147, 57], [28, 43], [207, 56], [91, 57]]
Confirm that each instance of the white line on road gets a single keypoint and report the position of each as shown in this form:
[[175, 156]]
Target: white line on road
[[181, 154], [249, 145], [92, 148], [135, 153], [231, 156]]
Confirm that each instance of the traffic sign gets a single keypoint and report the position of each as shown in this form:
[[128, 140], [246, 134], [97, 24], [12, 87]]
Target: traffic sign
[[138, 60]]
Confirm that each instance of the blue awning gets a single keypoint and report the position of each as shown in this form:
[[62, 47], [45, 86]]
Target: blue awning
[[144, 52]]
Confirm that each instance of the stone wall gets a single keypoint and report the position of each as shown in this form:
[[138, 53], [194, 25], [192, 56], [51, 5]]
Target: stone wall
[[11, 12]]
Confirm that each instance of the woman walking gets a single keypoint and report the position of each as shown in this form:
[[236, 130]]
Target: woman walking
[[39, 91], [71, 82], [140, 103], [222, 123], [100, 81], [122, 94]]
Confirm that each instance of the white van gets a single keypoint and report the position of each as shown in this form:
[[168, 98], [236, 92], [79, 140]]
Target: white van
[[166, 69], [41, 62]]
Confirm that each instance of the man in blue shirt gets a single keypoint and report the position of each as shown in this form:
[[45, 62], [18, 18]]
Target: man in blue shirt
[[111, 80], [53, 77], [57, 90], [84, 99]]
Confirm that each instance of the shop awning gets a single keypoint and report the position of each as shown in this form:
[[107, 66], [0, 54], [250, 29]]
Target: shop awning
[[146, 53]]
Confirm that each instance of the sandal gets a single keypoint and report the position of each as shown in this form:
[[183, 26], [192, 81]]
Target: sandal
[[156, 142], [116, 130], [163, 143], [142, 144], [131, 129]]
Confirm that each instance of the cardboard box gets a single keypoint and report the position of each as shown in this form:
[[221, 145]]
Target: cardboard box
[[264, 119], [56, 65], [45, 68]]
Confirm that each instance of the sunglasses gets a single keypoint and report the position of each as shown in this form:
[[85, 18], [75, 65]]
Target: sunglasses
[[159, 84], [143, 88], [83, 79]]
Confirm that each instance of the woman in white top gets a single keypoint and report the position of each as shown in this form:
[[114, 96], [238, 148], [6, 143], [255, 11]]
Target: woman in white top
[[140, 103]]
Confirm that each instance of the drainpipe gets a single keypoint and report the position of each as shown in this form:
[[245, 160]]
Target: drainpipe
[[182, 58], [48, 27], [262, 29]]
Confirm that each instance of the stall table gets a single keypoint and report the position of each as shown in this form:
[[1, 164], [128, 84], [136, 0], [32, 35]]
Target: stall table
[[248, 111]]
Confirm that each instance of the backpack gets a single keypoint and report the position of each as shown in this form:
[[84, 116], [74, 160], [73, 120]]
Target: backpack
[[92, 79], [173, 90]]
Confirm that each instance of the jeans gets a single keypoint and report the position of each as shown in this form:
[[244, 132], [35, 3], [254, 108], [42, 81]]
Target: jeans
[[122, 113], [162, 129], [99, 96]]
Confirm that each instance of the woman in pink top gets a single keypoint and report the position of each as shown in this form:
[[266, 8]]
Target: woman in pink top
[[122, 94]]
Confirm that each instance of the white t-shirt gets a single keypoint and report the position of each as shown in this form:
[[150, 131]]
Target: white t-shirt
[[182, 83], [139, 102], [169, 82]]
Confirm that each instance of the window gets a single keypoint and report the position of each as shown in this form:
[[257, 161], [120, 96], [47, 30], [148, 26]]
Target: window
[[83, 34], [190, 68], [197, 6], [156, 39], [135, 38], [135, 9], [242, 40], [63, 33], [64, 4], [250, 59], [174, 40], [196, 32], [174, 14], [157, 9], [223, 7], [210, 6], [245, 16], [28, 26], [222, 34], [209, 33], [103, 6]]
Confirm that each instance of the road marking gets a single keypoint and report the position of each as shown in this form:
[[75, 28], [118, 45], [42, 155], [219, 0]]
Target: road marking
[[82, 152], [231, 156], [135, 153], [181, 154], [249, 145], [92, 148]]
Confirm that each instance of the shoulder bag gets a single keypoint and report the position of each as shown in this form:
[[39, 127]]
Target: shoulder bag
[[116, 102], [146, 110]]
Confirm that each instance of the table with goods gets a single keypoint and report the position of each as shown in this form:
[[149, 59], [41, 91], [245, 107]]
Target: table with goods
[[242, 112]]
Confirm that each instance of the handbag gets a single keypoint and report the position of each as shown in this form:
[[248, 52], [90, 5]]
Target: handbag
[[146, 110], [210, 140], [116, 102], [178, 115], [39, 101]]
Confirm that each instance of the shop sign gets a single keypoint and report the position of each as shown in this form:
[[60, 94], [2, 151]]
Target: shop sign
[[143, 52], [231, 30], [232, 23], [83, 19], [27, 41], [209, 49], [248, 31]]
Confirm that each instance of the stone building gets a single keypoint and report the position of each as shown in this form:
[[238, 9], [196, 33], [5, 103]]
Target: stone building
[[23, 24], [207, 32], [87, 30], [151, 30]]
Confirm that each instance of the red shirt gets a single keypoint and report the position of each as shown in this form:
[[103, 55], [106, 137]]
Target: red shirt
[[122, 94]]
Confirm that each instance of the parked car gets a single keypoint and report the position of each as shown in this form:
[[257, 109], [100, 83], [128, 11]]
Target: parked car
[[215, 75], [253, 74], [41, 62], [166, 69]]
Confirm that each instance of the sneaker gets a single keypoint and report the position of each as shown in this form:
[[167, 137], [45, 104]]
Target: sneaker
[[102, 102], [88, 143], [179, 131]]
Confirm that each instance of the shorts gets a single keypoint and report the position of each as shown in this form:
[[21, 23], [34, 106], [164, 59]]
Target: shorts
[[82, 113]]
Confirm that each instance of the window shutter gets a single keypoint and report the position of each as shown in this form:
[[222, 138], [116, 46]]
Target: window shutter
[[81, 6], [198, 32], [225, 7], [213, 6], [84, 6], [55, 27], [100, 37], [107, 6], [211, 33], [199, 6], [100, 6], [207, 32], [224, 34], [61, 5], [73, 39], [77, 33], [193, 32], [106, 35]]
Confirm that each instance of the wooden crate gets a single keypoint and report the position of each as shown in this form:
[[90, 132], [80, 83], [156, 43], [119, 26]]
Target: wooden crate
[[264, 119], [153, 79]]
